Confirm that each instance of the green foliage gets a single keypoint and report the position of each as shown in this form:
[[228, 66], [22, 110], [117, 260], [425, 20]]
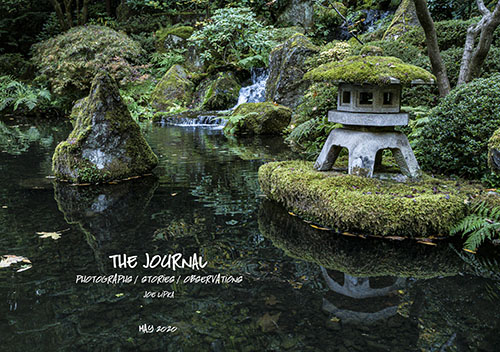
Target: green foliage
[[16, 95], [450, 34], [333, 51], [70, 61], [232, 34], [137, 97], [162, 62], [406, 52], [326, 19], [419, 117], [483, 223], [455, 139], [310, 126], [15, 65], [377, 70]]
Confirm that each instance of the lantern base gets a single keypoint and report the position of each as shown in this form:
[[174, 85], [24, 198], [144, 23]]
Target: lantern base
[[363, 147]]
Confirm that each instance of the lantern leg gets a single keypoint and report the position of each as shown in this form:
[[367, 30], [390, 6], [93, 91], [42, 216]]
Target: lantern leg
[[329, 153]]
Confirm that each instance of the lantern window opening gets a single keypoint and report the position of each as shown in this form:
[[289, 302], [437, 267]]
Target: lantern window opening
[[388, 97], [365, 98], [346, 97]]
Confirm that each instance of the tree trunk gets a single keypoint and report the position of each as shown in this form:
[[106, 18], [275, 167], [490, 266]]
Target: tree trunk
[[60, 14], [108, 8], [85, 11], [474, 57], [67, 8], [438, 67]]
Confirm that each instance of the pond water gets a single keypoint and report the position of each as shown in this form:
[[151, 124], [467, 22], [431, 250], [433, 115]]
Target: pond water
[[302, 290]]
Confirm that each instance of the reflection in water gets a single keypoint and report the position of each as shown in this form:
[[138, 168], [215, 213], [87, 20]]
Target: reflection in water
[[105, 212], [359, 288], [432, 298], [379, 296]]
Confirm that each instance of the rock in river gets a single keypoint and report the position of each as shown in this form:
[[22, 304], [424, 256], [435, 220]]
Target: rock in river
[[106, 143]]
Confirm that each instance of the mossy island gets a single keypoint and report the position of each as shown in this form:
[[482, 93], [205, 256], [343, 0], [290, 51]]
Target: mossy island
[[366, 205]]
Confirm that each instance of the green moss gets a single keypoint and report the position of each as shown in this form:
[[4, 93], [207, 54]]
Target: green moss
[[404, 18], [174, 89], [258, 118], [493, 151], [102, 126], [183, 32], [220, 92], [371, 50], [376, 70], [366, 205]]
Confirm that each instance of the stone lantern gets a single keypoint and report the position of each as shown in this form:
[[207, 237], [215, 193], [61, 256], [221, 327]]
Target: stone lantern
[[368, 107]]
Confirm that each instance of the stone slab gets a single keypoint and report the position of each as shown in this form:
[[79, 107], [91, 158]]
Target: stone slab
[[368, 119]]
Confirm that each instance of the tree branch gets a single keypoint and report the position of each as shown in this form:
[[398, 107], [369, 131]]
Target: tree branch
[[474, 58], [482, 8], [438, 67]]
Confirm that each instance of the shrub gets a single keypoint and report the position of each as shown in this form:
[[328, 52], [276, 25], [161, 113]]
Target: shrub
[[333, 51], [70, 61], [455, 139], [450, 34], [310, 126], [15, 65], [404, 51], [233, 34]]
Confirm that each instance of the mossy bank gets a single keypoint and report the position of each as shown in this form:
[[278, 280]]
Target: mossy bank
[[351, 203]]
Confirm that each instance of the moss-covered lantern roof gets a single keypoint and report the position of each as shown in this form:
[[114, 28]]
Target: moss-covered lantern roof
[[373, 70]]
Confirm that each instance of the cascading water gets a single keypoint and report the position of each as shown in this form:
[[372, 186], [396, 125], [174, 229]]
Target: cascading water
[[256, 92]]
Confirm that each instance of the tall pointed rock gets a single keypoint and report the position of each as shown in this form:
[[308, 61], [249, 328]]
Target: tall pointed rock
[[106, 143]]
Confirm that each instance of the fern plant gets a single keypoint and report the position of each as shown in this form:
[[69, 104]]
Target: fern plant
[[15, 94], [483, 223]]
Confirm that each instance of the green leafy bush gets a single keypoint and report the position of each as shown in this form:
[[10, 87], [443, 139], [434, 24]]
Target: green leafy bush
[[404, 51], [15, 65], [233, 34], [16, 95], [450, 34], [162, 62], [70, 61], [452, 59], [137, 96], [455, 139], [310, 127]]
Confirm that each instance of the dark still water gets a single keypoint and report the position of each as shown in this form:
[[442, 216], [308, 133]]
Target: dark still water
[[302, 289]]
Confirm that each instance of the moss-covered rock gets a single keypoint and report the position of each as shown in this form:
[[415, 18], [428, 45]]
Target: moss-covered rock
[[218, 92], [356, 257], [174, 89], [494, 152], [172, 37], [106, 143], [258, 118], [375, 70], [404, 19], [298, 13], [371, 50], [285, 84], [366, 205]]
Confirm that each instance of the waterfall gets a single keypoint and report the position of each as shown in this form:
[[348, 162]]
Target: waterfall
[[200, 120], [256, 92]]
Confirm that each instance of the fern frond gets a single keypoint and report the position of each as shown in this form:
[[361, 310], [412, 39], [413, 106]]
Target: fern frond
[[482, 224]]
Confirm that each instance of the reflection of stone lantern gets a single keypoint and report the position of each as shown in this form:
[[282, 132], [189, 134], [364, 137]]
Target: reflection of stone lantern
[[368, 105]]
